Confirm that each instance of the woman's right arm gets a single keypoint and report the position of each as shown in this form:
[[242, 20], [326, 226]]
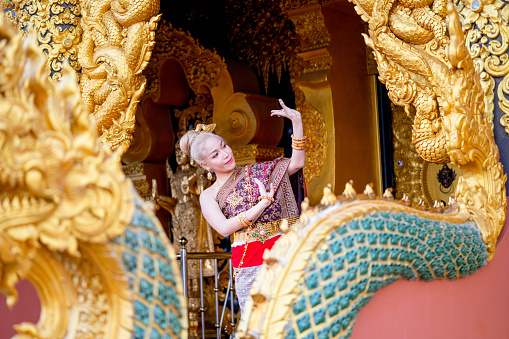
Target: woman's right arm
[[220, 223]]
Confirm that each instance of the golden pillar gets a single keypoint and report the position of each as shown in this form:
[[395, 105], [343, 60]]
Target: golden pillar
[[313, 95], [337, 97]]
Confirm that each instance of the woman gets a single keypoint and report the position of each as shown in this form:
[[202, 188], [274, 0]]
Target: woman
[[249, 202]]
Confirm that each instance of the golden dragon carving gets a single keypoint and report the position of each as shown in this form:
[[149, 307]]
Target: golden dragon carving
[[435, 74], [70, 221], [117, 41]]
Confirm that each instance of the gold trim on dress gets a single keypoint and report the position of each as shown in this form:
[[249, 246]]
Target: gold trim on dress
[[270, 229]]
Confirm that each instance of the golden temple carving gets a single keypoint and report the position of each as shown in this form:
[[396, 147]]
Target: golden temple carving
[[201, 66], [66, 207], [57, 24], [486, 36], [449, 103], [262, 36], [110, 42], [117, 42], [255, 153]]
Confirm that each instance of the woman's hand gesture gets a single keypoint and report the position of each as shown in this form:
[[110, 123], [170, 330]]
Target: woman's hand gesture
[[285, 112], [263, 192]]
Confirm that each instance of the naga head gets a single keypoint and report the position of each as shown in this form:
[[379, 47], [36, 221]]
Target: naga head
[[58, 187]]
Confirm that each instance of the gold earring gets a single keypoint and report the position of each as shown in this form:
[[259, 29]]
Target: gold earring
[[209, 175]]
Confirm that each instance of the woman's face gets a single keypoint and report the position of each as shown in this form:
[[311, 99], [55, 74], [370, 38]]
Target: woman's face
[[218, 155]]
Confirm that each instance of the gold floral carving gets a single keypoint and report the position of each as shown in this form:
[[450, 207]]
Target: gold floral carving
[[58, 27], [408, 164], [314, 129], [448, 100], [487, 39], [199, 111], [311, 27], [117, 42], [200, 65], [142, 187], [253, 153], [133, 170]]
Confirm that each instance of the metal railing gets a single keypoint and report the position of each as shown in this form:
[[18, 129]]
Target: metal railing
[[184, 257]]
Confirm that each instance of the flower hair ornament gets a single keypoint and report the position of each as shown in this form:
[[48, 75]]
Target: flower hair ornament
[[202, 128]]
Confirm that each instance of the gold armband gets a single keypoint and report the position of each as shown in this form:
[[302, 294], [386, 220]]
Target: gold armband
[[242, 220], [261, 197], [298, 143]]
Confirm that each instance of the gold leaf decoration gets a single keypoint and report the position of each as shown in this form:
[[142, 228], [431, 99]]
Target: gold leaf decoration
[[58, 27]]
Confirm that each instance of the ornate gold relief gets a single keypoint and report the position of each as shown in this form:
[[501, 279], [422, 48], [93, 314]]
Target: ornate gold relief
[[200, 111], [255, 153], [200, 65], [311, 28], [34, 166], [137, 174], [117, 43], [487, 39], [58, 188], [408, 165], [448, 99], [58, 27]]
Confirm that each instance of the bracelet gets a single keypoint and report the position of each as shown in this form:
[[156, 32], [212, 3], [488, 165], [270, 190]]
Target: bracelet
[[303, 139], [261, 197], [298, 143], [242, 220]]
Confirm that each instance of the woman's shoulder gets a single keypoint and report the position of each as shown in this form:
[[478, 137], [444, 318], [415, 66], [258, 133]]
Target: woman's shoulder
[[210, 192]]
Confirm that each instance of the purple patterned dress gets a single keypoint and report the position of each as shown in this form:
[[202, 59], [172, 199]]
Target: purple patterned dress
[[238, 194]]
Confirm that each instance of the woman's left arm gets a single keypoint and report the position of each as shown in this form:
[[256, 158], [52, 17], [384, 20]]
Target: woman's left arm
[[298, 158]]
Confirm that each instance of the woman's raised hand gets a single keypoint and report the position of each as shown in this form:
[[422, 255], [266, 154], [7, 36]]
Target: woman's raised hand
[[262, 190], [285, 112]]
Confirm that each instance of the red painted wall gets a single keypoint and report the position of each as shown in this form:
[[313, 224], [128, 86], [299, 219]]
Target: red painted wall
[[27, 309]]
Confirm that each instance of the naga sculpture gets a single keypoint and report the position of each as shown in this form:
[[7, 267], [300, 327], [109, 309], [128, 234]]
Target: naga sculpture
[[117, 41], [71, 223], [327, 266]]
